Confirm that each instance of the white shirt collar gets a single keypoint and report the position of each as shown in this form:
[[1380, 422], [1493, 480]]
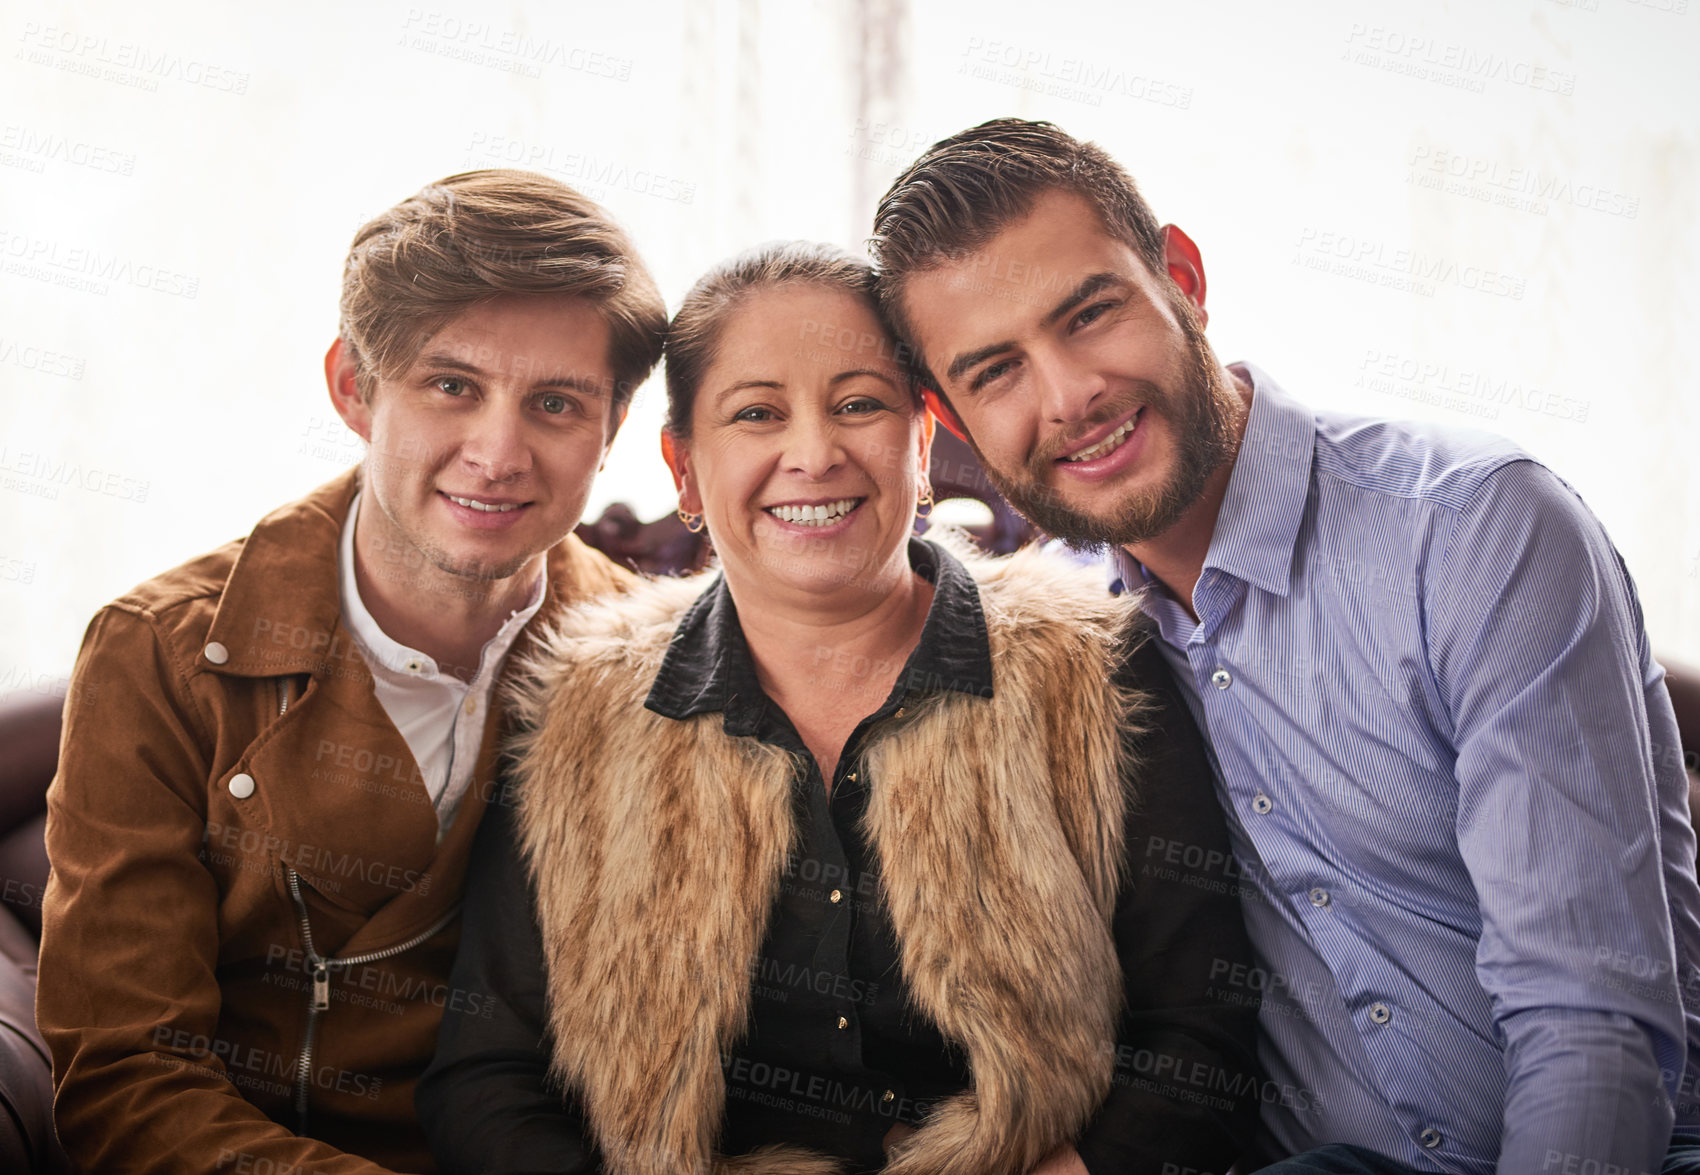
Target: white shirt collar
[[385, 652]]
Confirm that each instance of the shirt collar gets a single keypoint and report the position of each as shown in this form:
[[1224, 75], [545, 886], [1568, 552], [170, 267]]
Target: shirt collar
[[1258, 524], [385, 652], [708, 665]]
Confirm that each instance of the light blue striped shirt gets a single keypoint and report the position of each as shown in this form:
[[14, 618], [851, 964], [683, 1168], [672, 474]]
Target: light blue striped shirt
[[1456, 794]]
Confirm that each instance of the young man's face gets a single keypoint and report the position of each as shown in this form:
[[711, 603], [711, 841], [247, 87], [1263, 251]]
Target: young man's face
[[484, 449], [1084, 380]]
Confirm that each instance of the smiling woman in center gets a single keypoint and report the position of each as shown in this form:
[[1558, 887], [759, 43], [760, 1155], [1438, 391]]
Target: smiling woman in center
[[820, 862]]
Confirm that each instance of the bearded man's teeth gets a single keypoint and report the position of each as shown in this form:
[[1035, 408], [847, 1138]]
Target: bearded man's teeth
[[487, 507], [813, 515], [1106, 445]]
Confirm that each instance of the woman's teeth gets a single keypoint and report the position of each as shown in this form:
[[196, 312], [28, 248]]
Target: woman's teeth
[[487, 507], [814, 515], [1106, 445]]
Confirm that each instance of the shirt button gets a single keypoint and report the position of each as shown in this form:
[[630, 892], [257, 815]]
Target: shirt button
[[471, 704], [415, 666], [1319, 897], [1222, 679], [241, 785], [216, 653], [843, 1023], [835, 897], [1261, 804], [889, 1095], [1380, 1013], [1430, 1137]]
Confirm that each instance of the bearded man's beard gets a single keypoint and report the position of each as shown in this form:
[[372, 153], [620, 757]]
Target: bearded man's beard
[[1201, 422]]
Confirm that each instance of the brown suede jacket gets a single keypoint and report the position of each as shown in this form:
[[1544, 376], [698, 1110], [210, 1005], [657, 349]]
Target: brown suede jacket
[[248, 933]]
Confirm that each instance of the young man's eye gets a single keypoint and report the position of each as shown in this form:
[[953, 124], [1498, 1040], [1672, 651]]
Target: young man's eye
[[555, 405], [1092, 313], [452, 385], [989, 374]]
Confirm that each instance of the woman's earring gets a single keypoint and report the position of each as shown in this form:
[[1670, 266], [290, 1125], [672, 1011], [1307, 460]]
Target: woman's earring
[[693, 522], [924, 506]]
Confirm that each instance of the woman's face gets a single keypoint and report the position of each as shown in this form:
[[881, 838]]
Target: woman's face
[[806, 452]]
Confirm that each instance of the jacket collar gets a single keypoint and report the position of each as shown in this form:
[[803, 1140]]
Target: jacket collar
[[708, 665], [280, 612]]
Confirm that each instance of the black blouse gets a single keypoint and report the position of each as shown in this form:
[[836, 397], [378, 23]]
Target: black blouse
[[835, 1054]]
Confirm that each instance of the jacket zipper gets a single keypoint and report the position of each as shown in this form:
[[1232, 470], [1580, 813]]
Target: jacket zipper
[[320, 1001], [321, 970]]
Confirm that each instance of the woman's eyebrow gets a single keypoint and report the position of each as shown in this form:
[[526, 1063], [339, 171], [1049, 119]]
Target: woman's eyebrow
[[844, 375]]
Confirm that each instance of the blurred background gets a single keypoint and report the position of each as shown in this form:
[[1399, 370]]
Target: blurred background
[[1477, 213]]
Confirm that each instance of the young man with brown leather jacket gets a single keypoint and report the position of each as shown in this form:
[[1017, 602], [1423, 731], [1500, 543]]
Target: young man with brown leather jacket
[[258, 837]]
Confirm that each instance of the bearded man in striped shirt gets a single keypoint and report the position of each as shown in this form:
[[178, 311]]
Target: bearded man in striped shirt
[[1449, 763]]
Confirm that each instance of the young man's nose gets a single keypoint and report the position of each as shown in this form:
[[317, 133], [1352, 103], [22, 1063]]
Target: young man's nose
[[1068, 390], [496, 447]]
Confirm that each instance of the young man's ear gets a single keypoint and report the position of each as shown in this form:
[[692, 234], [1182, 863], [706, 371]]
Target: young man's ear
[[345, 394], [1186, 268], [940, 408], [677, 454]]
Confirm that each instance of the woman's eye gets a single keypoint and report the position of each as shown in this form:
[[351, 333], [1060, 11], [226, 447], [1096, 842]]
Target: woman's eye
[[754, 415], [861, 406], [555, 405]]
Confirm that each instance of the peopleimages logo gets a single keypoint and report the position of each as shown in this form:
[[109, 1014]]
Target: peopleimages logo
[[41, 360], [33, 150], [477, 42], [43, 476], [1074, 78], [1470, 391], [123, 62], [87, 269], [590, 172], [1448, 63], [1523, 189], [1409, 270]]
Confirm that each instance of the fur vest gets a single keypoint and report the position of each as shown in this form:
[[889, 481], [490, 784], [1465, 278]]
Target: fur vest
[[656, 848]]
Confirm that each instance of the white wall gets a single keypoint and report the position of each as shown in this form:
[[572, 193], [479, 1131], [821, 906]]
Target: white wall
[[200, 170]]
